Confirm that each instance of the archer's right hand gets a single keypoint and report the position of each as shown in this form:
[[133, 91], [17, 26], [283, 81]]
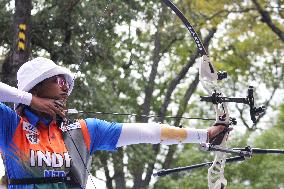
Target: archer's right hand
[[49, 106]]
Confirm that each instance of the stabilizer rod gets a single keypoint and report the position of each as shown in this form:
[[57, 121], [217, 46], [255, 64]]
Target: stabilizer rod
[[263, 151], [165, 172], [191, 167]]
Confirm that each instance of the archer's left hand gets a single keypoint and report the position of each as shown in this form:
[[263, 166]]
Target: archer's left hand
[[213, 131]]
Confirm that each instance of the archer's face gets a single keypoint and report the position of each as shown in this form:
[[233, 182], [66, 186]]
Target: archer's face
[[55, 87]]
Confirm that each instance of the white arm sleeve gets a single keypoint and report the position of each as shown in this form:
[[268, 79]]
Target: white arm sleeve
[[12, 94], [154, 133]]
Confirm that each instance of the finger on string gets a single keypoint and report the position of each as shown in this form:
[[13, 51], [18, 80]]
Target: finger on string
[[53, 110], [59, 103], [58, 106], [59, 111]]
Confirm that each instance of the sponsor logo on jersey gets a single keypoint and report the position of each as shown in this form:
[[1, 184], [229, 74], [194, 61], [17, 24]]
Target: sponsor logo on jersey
[[48, 159], [32, 133], [69, 127], [53, 173]]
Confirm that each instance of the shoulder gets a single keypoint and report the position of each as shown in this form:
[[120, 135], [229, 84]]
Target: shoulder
[[98, 123], [6, 110], [3, 106]]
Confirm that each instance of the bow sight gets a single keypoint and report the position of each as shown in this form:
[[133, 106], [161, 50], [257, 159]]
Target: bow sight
[[216, 98]]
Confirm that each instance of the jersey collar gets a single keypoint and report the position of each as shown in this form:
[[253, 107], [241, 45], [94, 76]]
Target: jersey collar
[[34, 119]]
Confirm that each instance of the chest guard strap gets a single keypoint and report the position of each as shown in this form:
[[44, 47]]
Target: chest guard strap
[[77, 148]]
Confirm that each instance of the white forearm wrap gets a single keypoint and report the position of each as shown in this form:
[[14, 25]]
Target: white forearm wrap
[[12, 94], [154, 133]]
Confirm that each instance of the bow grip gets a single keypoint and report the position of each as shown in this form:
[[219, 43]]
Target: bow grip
[[218, 139]]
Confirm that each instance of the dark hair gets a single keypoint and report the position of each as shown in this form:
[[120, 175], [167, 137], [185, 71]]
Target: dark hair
[[19, 109]]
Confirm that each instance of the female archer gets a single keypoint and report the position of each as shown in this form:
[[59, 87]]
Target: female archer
[[42, 151]]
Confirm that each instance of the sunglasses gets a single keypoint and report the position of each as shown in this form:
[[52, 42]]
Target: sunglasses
[[61, 81]]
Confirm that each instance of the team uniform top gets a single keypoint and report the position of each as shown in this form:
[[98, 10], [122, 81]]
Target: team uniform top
[[34, 148]]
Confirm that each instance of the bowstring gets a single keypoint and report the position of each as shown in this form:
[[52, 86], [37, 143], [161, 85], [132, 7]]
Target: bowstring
[[74, 111], [91, 41], [82, 59]]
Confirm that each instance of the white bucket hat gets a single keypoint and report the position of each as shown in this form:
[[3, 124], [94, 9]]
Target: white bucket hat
[[33, 72]]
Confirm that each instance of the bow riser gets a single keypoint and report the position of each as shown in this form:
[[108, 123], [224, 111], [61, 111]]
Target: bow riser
[[216, 178]]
